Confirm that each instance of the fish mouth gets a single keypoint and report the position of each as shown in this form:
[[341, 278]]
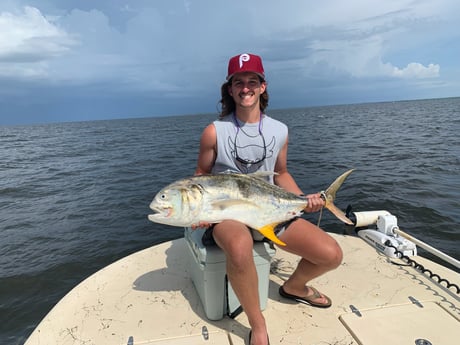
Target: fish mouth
[[160, 212]]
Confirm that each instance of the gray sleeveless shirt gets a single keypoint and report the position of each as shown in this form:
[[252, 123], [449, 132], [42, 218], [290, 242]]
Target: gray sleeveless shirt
[[249, 142]]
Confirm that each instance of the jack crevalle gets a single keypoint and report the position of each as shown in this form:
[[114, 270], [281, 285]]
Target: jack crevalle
[[247, 198]]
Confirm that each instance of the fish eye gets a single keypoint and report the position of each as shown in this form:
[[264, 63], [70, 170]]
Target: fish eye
[[163, 196]]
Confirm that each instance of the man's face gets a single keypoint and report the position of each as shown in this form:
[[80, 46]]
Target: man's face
[[246, 88]]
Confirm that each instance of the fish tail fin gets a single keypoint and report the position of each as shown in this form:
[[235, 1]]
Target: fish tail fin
[[329, 197], [269, 232]]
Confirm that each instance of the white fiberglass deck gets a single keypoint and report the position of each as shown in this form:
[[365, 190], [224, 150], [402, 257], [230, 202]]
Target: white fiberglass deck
[[149, 298]]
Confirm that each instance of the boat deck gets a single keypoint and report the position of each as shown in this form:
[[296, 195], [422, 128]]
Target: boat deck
[[149, 298]]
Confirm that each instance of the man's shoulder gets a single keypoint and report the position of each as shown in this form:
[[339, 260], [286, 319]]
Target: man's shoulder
[[225, 118], [274, 122]]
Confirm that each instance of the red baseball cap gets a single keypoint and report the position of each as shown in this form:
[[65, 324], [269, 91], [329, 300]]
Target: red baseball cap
[[245, 63]]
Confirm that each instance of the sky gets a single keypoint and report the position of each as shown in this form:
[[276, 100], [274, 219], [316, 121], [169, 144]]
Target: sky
[[79, 60]]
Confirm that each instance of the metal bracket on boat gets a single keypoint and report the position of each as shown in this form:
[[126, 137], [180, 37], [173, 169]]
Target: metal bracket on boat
[[416, 301], [205, 333], [355, 310]]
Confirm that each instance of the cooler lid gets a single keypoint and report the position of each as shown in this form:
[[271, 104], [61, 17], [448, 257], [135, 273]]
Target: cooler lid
[[208, 255]]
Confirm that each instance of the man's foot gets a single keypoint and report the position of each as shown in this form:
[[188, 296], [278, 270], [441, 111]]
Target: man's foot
[[313, 297], [250, 339]]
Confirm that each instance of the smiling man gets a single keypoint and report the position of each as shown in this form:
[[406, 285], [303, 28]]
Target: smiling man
[[246, 140]]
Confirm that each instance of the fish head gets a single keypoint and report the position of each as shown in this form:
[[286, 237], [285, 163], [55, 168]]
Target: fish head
[[176, 205]]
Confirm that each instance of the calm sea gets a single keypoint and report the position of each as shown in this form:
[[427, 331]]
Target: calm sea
[[74, 196]]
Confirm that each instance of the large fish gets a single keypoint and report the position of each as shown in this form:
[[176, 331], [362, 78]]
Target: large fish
[[247, 198]]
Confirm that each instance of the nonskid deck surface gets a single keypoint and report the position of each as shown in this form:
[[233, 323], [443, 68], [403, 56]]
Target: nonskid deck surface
[[149, 298]]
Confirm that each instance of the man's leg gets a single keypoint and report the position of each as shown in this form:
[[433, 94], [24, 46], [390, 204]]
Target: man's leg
[[236, 241], [320, 253]]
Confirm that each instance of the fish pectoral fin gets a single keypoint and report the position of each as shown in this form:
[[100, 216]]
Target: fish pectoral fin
[[268, 232], [223, 204], [262, 174]]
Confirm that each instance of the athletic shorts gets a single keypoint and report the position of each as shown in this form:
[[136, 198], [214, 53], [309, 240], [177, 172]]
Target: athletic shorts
[[208, 238]]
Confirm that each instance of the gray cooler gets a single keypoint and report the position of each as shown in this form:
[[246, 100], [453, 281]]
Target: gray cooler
[[208, 272]]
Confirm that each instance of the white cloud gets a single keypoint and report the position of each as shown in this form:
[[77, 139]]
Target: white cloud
[[364, 59], [415, 70], [153, 43], [27, 41], [179, 48], [374, 41]]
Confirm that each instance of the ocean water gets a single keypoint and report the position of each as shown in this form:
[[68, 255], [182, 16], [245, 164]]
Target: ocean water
[[74, 196]]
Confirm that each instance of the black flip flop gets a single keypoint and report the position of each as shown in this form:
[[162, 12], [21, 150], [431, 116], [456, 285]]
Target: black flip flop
[[307, 300], [250, 338]]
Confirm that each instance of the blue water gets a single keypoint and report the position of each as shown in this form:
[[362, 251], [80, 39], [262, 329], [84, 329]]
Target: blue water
[[74, 196]]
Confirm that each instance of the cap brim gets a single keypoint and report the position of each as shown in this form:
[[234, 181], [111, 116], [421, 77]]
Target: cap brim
[[260, 75]]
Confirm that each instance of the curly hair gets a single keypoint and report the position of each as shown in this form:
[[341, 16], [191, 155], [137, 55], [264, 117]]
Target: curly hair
[[228, 104]]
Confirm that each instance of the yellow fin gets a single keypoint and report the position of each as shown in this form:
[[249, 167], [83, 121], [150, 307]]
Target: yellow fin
[[268, 232]]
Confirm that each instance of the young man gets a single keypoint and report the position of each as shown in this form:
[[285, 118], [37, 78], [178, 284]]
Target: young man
[[244, 139]]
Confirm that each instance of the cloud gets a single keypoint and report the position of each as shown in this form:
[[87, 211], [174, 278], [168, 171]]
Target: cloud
[[152, 44], [177, 50], [28, 40], [363, 59], [416, 70]]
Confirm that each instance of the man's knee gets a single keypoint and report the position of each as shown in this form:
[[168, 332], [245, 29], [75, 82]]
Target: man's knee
[[335, 256], [234, 239]]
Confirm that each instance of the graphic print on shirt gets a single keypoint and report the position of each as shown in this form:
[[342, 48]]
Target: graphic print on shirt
[[253, 149]]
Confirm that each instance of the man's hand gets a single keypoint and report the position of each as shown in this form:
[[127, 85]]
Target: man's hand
[[315, 202], [204, 225]]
